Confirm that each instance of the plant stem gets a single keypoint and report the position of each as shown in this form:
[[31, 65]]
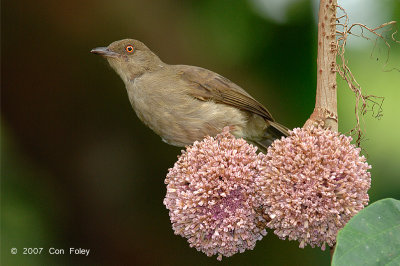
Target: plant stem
[[325, 111]]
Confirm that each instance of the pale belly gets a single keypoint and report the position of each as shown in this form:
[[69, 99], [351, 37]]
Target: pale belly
[[180, 119]]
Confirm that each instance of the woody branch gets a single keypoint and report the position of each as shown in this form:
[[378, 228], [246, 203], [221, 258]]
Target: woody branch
[[325, 111]]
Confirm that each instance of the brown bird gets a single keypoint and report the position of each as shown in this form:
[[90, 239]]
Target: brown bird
[[183, 103]]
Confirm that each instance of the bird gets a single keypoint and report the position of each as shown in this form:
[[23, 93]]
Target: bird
[[183, 103]]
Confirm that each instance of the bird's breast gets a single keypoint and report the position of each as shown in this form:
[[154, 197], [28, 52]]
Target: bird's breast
[[179, 118]]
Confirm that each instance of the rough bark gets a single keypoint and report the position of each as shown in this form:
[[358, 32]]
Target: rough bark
[[325, 111]]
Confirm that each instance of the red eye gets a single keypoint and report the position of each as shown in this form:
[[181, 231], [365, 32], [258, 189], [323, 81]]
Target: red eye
[[129, 48]]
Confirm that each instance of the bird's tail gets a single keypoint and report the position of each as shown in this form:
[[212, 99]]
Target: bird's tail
[[271, 133]]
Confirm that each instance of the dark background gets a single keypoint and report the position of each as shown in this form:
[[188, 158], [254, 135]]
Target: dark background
[[78, 168]]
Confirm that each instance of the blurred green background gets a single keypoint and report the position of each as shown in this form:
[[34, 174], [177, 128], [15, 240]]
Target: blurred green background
[[78, 168]]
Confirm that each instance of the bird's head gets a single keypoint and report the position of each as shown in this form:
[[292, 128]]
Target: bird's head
[[129, 58]]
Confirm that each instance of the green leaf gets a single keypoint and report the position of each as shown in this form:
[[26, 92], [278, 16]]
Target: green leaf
[[372, 237]]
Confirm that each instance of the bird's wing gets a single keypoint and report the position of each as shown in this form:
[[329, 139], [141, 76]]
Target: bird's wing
[[206, 85]]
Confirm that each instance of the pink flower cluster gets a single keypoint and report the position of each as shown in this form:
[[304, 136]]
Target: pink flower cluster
[[316, 181], [213, 198], [222, 195]]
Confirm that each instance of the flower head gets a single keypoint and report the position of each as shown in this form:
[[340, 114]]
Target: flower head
[[315, 182], [212, 197]]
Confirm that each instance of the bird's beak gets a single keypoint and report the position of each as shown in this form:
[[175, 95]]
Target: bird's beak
[[104, 51]]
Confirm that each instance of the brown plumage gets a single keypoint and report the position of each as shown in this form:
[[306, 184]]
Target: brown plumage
[[183, 103]]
